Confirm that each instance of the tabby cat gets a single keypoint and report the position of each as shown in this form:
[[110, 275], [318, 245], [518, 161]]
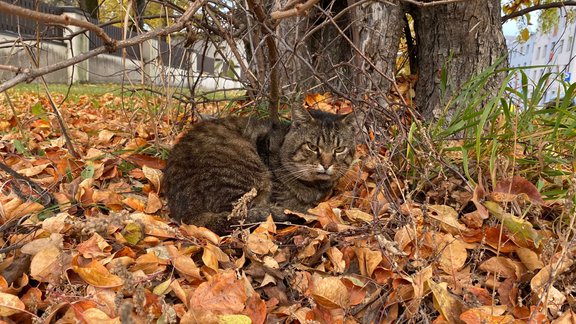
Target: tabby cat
[[292, 166]]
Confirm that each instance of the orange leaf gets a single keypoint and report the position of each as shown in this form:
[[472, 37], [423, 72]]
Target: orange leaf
[[95, 274], [94, 247], [135, 203], [222, 294], [10, 304], [480, 316], [153, 204]]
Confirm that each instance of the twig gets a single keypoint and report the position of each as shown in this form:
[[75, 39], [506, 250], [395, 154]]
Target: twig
[[234, 49], [11, 68], [61, 123], [537, 7], [41, 191], [59, 20], [299, 9], [34, 73]]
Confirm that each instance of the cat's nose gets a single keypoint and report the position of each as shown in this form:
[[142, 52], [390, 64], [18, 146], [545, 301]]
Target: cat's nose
[[329, 169]]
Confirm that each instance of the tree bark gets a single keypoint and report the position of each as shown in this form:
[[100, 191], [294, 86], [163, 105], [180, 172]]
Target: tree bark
[[340, 46], [315, 49], [380, 27], [463, 38]]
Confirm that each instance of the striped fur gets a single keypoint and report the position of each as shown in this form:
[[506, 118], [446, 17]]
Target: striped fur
[[291, 166]]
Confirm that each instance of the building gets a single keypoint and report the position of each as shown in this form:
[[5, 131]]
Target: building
[[552, 52]]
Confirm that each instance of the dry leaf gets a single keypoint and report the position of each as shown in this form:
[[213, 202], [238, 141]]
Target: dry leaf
[[330, 292], [154, 176], [95, 274], [453, 255], [10, 304]]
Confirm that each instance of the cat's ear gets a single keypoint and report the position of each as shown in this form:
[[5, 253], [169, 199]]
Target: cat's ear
[[355, 119], [300, 116], [351, 120]]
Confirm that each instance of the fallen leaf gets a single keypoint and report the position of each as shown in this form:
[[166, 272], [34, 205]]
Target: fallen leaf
[[453, 254], [530, 259], [480, 316], [444, 302], [10, 304], [330, 292], [510, 189], [448, 218], [154, 176], [94, 247], [95, 274]]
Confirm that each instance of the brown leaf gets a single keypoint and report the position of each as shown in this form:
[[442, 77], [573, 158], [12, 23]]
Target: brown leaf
[[135, 203], [448, 218], [453, 255], [10, 304], [94, 315], [368, 260], [48, 265], [94, 247], [330, 292], [530, 259], [184, 265], [478, 195], [447, 304], [510, 189], [481, 316], [261, 243], [153, 204], [142, 160], [154, 176], [503, 267], [95, 274], [221, 294]]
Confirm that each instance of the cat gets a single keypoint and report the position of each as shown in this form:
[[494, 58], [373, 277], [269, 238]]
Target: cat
[[292, 166]]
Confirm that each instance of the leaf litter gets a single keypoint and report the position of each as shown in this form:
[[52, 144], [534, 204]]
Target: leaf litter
[[110, 252]]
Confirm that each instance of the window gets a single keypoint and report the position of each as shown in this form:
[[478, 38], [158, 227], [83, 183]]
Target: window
[[561, 46], [527, 49], [570, 43], [545, 51], [538, 53], [522, 50]]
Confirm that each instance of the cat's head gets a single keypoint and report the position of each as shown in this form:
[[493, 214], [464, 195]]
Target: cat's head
[[319, 146]]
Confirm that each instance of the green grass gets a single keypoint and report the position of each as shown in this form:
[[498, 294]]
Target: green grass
[[75, 89], [100, 89]]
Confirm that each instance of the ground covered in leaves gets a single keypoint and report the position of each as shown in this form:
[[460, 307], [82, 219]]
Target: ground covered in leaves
[[110, 253]]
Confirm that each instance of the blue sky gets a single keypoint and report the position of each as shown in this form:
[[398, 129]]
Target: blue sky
[[510, 28]]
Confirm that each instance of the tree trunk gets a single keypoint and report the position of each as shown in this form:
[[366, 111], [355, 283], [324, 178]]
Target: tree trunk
[[341, 48], [463, 38], [379, 28], [315, 49]]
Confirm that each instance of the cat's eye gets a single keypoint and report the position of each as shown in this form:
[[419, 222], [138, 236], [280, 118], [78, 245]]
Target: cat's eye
[[340, 149], [311, 147]]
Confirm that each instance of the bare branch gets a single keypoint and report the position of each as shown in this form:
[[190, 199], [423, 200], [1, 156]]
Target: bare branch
[[12, 68], [267, 31], [34, 73], [58, 20], [300, 9], [435, 3], [543, 6]]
